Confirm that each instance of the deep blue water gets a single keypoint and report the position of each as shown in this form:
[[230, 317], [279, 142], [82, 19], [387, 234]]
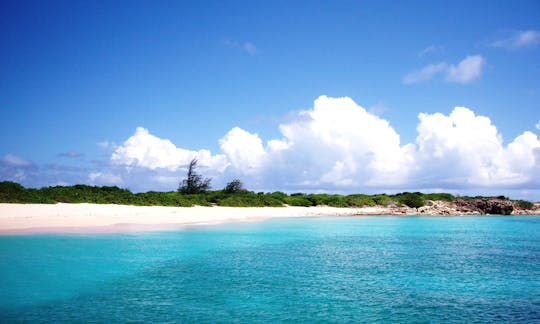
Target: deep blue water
[[350, 269]]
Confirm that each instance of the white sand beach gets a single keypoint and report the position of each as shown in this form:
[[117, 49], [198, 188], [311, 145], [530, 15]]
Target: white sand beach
[[61, 217], [31, 218]]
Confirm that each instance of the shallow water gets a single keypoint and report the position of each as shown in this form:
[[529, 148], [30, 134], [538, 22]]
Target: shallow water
[[340, 269]]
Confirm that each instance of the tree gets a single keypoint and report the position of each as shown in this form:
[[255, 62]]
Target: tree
[[194, 183], [234, 186], [412, 199]]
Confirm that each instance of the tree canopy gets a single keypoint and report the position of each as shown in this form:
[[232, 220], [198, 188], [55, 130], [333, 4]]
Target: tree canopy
[[194, 182], [234, 186]]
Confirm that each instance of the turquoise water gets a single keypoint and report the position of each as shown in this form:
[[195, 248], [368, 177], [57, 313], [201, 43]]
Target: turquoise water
[[351, 269]]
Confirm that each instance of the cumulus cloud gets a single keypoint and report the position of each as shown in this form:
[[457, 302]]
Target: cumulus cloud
[[244, 150], [538, 125], [469, 69], [339, 145], [145, 150], [518, 39], [463, 149]]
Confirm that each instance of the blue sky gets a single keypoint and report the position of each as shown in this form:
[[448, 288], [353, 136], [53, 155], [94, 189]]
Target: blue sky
[[80, 77]]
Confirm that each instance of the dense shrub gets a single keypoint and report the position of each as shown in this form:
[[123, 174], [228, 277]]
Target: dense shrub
[[328, 200], [299, 200], [382, 199], [277, 195], [11, 192], [411, 199], [249, 199], [234, 186], [524, 204], [359, 200], [439, 197]]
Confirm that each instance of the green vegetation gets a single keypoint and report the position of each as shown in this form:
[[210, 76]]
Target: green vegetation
[[234, 186], [233, 195], [412, 199], [523, 204], [194, 182]]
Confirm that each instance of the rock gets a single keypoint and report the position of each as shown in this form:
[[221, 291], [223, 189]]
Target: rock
[[494, 206], [519, 210]]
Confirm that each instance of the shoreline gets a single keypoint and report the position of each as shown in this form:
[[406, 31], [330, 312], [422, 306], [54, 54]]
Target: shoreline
[[84, 217], [98, 218]]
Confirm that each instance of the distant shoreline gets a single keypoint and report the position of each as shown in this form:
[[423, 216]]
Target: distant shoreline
[[108, 218]]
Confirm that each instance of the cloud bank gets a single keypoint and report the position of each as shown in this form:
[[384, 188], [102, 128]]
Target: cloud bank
[[339, 146]]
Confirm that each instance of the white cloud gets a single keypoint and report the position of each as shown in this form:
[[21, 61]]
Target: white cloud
[[104, 178], [244, 150], [145, 150], [426, 73], [538, 125], [430, 50], [463, 149], [246, 47], [378, 109], [338, 145], [518, 39], [107, 145], [469, 69], [15, 161], [338, 141]]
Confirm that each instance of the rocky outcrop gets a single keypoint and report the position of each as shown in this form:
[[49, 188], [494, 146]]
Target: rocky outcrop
[[533, 210], [436, 208], [473, 206], [458, 207], [493, 206]]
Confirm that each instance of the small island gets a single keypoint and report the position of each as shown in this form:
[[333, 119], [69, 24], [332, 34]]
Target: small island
[[81, 208]]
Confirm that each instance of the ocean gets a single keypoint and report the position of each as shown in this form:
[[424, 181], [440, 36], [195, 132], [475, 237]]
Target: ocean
[[303, 270]]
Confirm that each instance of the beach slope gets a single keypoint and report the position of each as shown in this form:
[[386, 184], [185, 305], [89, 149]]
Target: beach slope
[[17, 218], [84, 217]]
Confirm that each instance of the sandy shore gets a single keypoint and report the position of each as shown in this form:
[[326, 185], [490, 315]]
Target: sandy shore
[[37, 218]]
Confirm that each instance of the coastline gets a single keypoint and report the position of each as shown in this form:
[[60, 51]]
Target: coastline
[[81, 218], [61, 217]]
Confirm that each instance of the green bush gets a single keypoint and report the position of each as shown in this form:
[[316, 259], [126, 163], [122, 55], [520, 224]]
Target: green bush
[[328, 200], [277, 195], [11, 192], [234, 186], [524, 204], [359, 200], [249, 199], [411, 199], [439, 197], [381, 199], [298, 201]]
